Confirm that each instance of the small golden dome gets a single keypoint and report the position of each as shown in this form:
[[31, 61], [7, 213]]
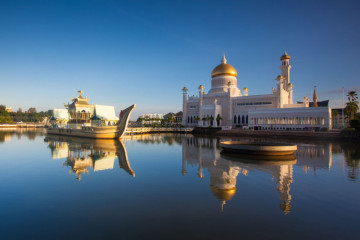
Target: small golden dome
[[279, 77], [245, 89], [223, 69], [223, 194], [285, 56]]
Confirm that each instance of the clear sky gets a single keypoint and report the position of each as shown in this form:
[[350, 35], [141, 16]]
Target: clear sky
[[145, 52]]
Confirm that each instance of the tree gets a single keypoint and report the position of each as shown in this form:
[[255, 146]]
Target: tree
[[31, 110], [352, 106], [4, 115]]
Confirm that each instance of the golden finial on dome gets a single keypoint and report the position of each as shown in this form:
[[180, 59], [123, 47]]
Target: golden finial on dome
[[245, 89], [184, 89]]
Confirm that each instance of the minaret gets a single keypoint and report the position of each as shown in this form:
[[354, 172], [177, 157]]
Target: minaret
[[315, 98], [229, 121], [184, 116], [201, 92], [285, 69], [290, 89], [280, 90]]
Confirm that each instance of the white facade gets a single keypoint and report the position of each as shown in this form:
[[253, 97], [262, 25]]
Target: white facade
[[225, 105]]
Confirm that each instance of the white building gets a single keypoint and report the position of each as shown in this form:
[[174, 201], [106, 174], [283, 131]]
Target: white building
[[151, 118], [226, 105]]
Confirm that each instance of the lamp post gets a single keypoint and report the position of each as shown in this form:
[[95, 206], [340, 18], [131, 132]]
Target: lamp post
[[343, 108]]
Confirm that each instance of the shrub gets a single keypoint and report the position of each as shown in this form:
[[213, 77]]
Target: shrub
[[355, 123]]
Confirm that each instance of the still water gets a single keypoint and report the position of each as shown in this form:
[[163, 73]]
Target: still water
[[174, 187]]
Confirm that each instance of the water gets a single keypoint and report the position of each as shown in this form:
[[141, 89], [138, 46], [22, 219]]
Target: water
[[173, 187]]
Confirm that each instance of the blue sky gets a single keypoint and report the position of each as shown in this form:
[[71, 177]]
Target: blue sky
[[144, 52]]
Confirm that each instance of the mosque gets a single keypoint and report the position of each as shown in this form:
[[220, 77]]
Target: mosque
[[226, 106]]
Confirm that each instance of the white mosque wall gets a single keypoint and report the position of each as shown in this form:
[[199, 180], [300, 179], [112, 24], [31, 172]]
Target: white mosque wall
[[290, 118]]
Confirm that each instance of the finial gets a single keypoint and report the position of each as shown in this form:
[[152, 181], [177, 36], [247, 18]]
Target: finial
[[223, 60], [80, 92], [315, 98], [222, 205]]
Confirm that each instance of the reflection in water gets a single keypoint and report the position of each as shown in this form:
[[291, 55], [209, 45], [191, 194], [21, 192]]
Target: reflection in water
[[224, 169], [31, 133], [82, 154]]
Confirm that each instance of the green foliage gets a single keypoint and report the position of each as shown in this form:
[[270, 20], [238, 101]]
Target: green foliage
[[5, 116], [352, 106], [30, 116], [355, 123]]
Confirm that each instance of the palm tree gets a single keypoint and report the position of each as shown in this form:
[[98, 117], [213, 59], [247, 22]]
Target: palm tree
[[352, 106]]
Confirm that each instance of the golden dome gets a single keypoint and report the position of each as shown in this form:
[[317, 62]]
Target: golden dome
[[245, 89], [285, 56], [223, 194], [223, 69]]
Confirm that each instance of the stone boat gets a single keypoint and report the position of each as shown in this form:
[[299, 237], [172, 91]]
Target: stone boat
[[104, 132]]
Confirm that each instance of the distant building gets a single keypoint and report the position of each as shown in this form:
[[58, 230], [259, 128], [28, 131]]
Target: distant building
[[151, 118], [339, 119], [8, 109], [227, 106], [174, 117]]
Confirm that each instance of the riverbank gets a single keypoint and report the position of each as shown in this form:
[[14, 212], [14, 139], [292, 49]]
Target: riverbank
[[22, 125], [333, 135]]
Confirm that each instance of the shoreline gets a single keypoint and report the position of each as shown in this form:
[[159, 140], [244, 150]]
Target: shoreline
[[331, 135]]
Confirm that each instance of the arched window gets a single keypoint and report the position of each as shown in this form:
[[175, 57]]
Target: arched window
[[235, 119], [247, 119], [243, 119], [188, 119], [239, 120]]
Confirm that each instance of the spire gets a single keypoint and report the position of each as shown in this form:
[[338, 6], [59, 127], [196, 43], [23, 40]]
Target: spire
[[315, 98], [223, 60]]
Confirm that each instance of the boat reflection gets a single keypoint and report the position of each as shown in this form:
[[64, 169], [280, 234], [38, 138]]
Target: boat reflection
[[224, 168], [82, 154]]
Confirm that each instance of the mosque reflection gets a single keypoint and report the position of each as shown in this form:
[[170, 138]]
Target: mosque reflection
[[224, 169], [83, 154]]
